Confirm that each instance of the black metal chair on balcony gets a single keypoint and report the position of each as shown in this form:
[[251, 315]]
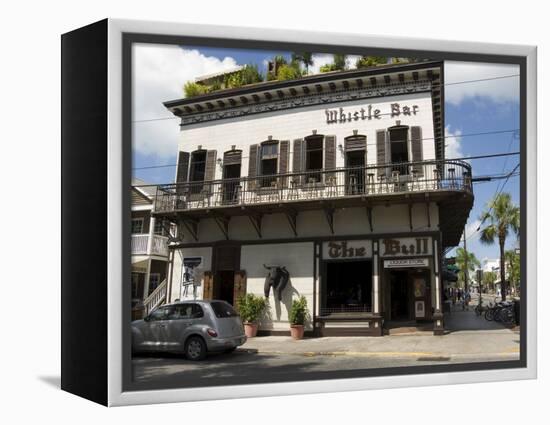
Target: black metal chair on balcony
[[396, 180], [452, 178], [370, 187], [466, 180], [293, 193], [437, 178], [332, 190]]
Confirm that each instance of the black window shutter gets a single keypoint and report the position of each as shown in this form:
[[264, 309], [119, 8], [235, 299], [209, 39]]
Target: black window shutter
[[253, 166], [380, 151], [183, 167], [297, 166], [181, 177], [416, 146], [210, 168], [284, 152], [330, 154]]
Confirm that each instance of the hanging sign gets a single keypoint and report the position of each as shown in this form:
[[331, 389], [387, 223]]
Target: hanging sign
[[407, 262]]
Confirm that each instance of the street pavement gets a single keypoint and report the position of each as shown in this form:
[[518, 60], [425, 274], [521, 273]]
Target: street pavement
[[468, 339]]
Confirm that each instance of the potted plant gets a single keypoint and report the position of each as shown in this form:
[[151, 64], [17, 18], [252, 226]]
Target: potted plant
[[251, 308], [297, 316]]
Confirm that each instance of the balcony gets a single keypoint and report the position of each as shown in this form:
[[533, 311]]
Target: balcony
[[442, 181], [158, 246]]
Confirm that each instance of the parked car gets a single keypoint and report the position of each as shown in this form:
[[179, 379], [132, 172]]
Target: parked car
[[194, 328]]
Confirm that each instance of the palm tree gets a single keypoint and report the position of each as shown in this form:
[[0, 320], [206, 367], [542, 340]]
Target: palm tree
[[464, 257], [306, 58], [502, 216]]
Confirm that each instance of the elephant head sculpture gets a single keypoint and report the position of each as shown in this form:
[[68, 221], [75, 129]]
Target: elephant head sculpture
[[277, 278]]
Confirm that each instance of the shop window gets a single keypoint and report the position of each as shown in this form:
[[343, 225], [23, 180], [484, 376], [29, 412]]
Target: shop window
[[137, 226], [314, 158], [269, 162]]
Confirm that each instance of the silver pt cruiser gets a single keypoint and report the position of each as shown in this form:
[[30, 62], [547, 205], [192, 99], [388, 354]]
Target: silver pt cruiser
[[191, 327]]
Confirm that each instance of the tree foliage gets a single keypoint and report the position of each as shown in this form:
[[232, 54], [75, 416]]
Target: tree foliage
[[499, 218], [369, 61], [464, 258]]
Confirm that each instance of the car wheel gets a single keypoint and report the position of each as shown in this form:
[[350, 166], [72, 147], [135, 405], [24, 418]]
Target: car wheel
[[230, 350], [195, 348]]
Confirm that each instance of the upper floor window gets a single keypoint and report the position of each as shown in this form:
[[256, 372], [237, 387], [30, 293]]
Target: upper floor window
[[198, 166], [314, 157], [159, 227], [269, 161], [399, 146], [137, 226]]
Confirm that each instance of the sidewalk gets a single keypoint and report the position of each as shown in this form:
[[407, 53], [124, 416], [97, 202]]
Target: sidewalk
[[468, 335]]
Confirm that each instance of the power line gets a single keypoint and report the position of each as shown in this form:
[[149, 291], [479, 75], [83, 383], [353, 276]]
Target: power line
[[290, 153], [393, 86]]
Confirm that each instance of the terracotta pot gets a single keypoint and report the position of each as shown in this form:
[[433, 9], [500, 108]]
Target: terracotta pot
[[250, 330], [297, 331]]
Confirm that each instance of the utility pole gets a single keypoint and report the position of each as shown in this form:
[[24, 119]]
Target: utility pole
[[465, 264]]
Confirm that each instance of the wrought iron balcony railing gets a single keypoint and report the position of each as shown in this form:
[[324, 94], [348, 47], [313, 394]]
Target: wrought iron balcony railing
[[384, 180]]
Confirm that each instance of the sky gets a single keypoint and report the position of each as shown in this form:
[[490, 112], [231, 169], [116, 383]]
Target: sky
[[471, 107]]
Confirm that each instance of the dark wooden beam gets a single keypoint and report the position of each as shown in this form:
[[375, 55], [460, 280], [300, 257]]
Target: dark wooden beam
[[329, 214], [256, 220], [292, 217], [192, 227], [223, 224], [369, 217]]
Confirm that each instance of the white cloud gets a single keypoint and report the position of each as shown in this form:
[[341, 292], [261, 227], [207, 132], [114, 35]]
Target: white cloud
[[325, 58], [498, 90], [318, 61], [453, 143], [159, 74]]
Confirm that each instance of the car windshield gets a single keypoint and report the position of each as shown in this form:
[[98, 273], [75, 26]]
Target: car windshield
[[222, 309]]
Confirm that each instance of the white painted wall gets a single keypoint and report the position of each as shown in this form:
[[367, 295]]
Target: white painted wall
[[298, 259], [299, 123]]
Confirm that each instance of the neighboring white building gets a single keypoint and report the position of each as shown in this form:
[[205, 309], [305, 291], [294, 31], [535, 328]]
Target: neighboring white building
[[149, 250], [338, 177]]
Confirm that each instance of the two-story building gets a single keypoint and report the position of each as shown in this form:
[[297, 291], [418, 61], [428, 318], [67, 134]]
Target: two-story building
[[340, 178], [149, 250]]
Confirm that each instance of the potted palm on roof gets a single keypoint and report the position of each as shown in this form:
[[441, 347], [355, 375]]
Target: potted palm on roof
[[297, 317], [251, 308]]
